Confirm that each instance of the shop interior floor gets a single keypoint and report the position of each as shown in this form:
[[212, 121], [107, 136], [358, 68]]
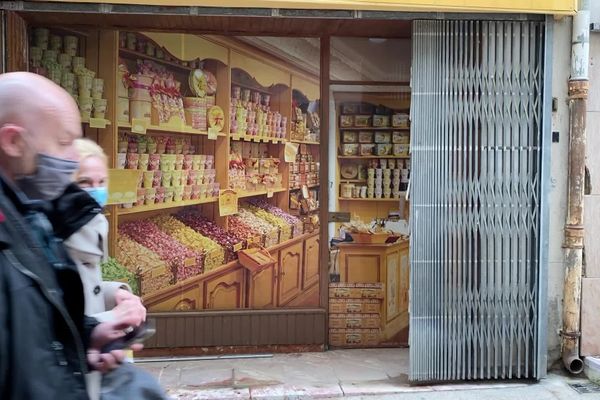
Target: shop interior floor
[[372, 373]]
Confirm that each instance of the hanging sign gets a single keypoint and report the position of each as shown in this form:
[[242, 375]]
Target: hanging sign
[[98, 123], [291, 150], [213, 133], [122, 185], [139, 126], [228, 202]]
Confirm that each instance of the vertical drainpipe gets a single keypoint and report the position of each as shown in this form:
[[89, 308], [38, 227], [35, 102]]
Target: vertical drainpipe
[[573, 244]]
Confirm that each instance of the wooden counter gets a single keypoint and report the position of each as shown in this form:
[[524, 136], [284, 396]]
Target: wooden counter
[[291, 282], [385, 263]]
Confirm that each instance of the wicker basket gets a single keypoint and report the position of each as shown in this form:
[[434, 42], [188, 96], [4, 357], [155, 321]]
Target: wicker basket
[[370, 238]]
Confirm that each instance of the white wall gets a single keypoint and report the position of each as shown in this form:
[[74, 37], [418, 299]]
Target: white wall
[[558, 186]]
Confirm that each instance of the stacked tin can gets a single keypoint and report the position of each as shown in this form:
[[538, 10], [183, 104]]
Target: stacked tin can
[[371, 183]]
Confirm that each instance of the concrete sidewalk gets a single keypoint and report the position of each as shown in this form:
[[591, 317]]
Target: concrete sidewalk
[[373, 373]]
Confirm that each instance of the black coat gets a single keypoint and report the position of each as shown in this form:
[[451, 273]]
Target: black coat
[[43, 332]]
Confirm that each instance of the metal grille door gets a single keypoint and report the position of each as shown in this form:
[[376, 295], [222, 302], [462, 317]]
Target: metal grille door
[[476, 139]]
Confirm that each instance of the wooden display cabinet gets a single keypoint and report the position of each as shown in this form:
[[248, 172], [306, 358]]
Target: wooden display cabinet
[[231, 286], [293, 281], [381, 263]]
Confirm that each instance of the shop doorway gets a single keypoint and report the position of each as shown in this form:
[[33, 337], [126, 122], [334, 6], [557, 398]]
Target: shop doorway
[[472, 204]]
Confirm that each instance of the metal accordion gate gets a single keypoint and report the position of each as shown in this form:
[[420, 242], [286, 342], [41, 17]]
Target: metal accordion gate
[[477, 108]]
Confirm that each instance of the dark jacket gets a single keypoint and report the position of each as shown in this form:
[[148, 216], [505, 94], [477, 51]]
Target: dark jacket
[[43, 332]]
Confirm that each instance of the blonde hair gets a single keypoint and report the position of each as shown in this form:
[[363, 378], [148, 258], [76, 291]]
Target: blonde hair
[[88, 148]]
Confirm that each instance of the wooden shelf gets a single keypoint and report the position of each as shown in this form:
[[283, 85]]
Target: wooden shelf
[[87, 121], [353, 180], [259, 193], [305, 142], [370, 128], [402, 194], [163, 206], [251, 138], [184, 130], [370, 157], [309, 186], [133, 53], [250, 87]]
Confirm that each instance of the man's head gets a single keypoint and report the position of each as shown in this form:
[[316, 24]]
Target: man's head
[[38, 123]]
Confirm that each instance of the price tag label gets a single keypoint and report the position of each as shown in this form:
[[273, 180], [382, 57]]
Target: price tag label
[[122, 185], [213, 133], [159, 271], [269, 193], [254, 239], [290, 152], [139, 126], [98, 123], [237, 247], [189, 262], [228, 202]]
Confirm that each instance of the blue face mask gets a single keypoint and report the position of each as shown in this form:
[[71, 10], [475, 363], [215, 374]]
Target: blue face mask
[[100, 194]]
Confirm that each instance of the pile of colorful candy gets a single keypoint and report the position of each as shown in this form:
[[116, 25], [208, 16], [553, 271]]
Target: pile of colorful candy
[[269, 232], [197, 222], [214, 254], [297, 225], [183, 262], [152, 272]]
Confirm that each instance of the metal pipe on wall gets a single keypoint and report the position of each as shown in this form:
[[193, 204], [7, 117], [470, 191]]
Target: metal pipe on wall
[[573, 244]]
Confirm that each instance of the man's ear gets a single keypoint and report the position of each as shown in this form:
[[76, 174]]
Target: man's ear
[[11, 140]]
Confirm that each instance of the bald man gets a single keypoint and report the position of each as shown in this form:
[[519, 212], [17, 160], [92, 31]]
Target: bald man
[[46, 343]]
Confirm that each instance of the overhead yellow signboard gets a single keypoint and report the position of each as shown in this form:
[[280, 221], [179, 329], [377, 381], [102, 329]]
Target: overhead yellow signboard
[[479, 6]]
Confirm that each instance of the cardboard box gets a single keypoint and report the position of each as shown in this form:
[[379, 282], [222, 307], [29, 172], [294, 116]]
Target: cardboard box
[[354, 306], [354, 337], [356, 290], [354, 321]]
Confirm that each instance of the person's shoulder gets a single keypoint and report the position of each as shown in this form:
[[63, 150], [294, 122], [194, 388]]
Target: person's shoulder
[[4, 235]]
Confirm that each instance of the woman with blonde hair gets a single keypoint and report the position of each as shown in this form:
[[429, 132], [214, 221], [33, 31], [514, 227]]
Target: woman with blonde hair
[[86, 243]]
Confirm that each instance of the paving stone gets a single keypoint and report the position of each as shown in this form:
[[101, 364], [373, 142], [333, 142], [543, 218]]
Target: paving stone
[[285, 392], [212, 394]]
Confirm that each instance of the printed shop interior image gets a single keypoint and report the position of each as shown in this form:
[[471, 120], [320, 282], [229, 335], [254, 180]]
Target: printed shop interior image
[[289, 191]]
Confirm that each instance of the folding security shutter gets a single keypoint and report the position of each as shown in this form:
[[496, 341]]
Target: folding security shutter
[[475, 198]]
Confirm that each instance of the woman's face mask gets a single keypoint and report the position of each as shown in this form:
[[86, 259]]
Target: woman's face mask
[[100, 194]]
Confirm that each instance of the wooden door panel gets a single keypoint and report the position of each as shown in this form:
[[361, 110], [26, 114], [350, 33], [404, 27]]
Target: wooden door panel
[[311, 269], [262, 288], [290, 273], [187, 300], [392, 285], [225, 292], [404, 278], [361, 268]]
